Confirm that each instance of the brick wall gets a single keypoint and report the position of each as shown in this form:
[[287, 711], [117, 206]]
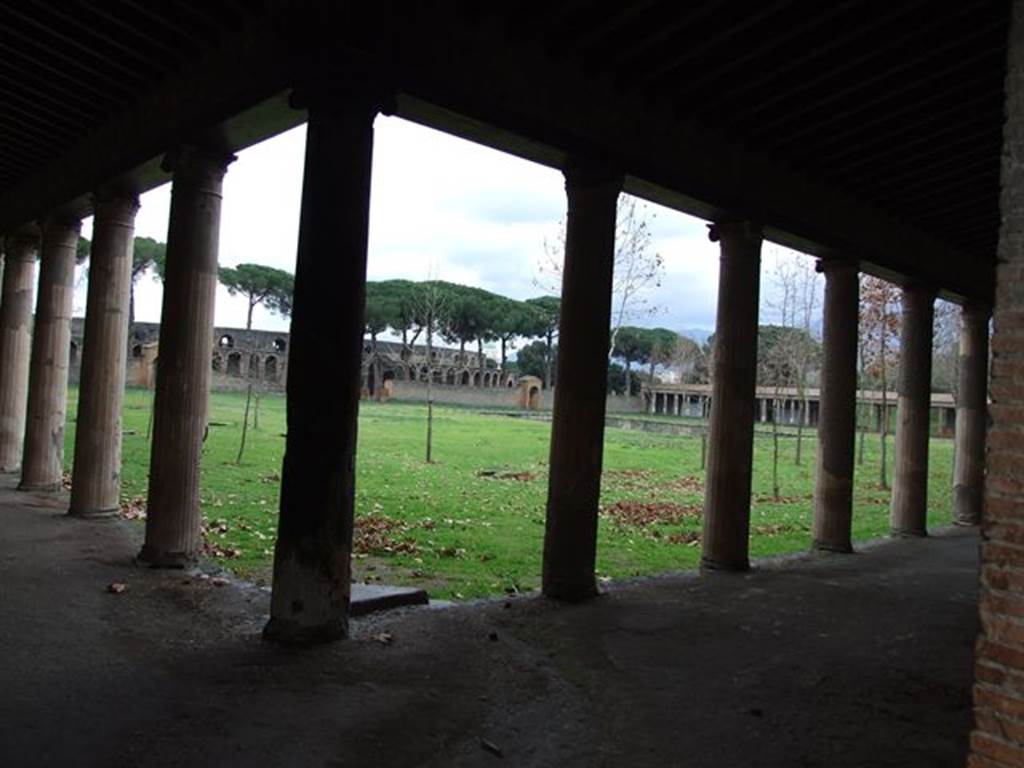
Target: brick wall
[[998, 737]]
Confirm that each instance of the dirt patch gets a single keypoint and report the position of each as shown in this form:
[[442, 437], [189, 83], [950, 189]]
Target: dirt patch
[[769, 499], [773, 529], [685, 485], [134, 508], [379, 535], [644, 513], [524, 477], [689, 538]]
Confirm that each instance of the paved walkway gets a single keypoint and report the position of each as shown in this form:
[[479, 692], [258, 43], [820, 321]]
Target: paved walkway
[[842, 661]]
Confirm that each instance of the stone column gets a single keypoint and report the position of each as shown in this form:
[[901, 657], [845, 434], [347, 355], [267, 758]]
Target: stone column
[[42, 466], [312, 560], [577, 432], [833, 490], [183, 361], [971, 416], [96, 477], [16, 342], [910, 472], [731, 428]]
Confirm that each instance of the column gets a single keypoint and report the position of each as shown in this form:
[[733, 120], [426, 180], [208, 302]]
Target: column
[[971, 415], [183, 360], [577, 432], [764, 410], [910, 471], [312, 560], [833, 490], [731, 429], [16, 342], [42, 466], [96, 477]]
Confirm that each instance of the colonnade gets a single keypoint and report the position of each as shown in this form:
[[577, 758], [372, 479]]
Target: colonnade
[[311, 588]]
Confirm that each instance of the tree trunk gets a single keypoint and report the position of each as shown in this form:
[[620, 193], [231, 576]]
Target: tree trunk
[[248, 398], [629, 364], [775, 458], [430, 396], [480, 361], [547, 362], [801, 413], [248, 319], [503, 341]]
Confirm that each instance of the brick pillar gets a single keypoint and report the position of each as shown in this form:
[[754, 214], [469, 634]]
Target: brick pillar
[[42, 465], [96, 477], [909, 511], [577, 430], [833, 490], [183, 362], [971, 415], [998, 737], [731, 428], [312, 559], [16, 342]]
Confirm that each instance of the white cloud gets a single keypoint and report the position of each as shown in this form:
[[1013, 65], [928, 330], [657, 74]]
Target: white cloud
[[439, 205]]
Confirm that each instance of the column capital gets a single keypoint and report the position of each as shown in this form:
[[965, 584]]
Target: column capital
[[582, 171], [976, 311], [734, 229], [837, 264], [925, 291], [55, 222], [200, 165], [22, 243], [340, 94]]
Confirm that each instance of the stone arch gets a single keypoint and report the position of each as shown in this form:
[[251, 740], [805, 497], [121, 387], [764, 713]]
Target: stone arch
[[510, 381], [534, 398], [280, 345], [424, 373], [137, 351], [449, 377], [234, 364], [226, 341], [475, 379], [270, 368], [464, 379]]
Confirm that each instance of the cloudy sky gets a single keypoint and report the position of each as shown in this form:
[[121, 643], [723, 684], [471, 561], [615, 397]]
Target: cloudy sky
[[440, 207]]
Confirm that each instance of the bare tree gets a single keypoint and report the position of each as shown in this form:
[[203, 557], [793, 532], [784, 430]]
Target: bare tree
[[430, 307], [638, 267], [879, 331]]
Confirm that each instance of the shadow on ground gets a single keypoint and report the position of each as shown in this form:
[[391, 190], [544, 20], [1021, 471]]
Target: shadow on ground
[[858, 660]]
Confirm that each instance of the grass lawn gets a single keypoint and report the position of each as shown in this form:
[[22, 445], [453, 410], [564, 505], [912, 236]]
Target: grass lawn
[[472, 523]]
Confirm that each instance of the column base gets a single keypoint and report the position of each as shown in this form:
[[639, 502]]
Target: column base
[[293, 633], [155, 558], [825, 546], [571, 592], [907, 533], [740, 566], [94, 514], [40, 487]]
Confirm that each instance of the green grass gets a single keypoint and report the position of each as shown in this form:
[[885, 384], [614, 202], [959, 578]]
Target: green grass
[[462, 530]]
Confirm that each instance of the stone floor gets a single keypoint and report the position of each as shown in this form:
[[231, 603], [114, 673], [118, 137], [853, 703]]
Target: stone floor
[[858, 660]]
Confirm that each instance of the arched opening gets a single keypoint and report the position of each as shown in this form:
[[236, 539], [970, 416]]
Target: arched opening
[[465, 379], [450, 376], [280, 345], [510, 382], [476, 379], [534, 398], [270, 368], [137, 350], [424, 373], [74, 353], [226, 342], [234, 364]]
